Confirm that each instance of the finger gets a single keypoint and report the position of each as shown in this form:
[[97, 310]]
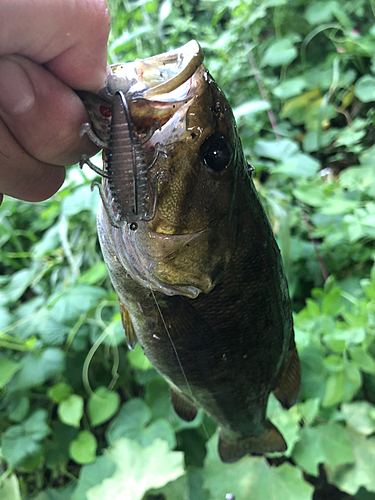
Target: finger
[[69, 37], [43, 114], [22, 176]]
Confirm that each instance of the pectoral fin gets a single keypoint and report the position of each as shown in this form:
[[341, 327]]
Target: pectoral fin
[[270, 441], [130, 335], [183, 406], [289, 384]]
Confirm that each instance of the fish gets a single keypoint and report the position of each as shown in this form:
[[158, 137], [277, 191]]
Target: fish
[[201, 285]]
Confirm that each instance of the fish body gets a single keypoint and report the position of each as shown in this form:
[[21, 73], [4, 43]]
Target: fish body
[[201, 286]]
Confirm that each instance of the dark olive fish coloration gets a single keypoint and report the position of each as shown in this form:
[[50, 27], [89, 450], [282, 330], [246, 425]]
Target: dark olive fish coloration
[[201, 286]]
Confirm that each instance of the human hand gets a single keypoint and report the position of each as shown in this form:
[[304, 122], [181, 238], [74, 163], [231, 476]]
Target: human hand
[[46, 50]]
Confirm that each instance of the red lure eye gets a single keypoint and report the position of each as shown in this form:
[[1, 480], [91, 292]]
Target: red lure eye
[[105, 111]]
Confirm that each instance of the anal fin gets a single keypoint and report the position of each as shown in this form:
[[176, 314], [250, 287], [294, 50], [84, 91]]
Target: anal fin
[[130, 335], [270, 441], [288, 386], [183, 406]]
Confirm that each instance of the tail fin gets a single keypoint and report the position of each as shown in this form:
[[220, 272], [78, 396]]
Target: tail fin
[[270, 441]]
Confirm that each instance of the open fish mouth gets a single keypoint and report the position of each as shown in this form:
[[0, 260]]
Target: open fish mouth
[[164, 73]]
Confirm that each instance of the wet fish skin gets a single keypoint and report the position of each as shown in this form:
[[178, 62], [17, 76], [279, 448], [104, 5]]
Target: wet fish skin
[[220, 331]]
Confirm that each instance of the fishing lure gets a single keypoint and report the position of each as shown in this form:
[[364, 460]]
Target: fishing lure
[[126, 167]]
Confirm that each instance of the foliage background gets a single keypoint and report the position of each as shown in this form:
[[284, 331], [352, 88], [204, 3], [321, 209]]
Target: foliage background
[[83, 418]]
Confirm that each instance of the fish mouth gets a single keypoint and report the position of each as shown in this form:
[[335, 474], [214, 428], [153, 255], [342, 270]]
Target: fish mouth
[[164, 73]]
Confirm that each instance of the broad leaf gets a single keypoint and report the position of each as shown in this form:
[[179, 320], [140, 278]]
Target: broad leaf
[[7, 369], [360, 416], [102, 405], [37, 368], [138, 470], [131, 419], [10, 489], [92, 475], [83, 449], [328, 444], [70, 410], [20, 442], [362, 472]]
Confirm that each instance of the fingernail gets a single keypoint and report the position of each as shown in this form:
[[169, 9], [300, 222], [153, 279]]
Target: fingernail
[[16, 91]]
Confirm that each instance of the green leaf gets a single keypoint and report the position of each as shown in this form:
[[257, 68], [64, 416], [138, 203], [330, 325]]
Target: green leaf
[[138, 359], [362, 471], [21, 442], [362, 359], [70, 410], [277, 150], [64, 493], [75, 301], [332, 302], [311, 194], [280, 53], [250, 108], [252, 478], [309, 410], [57, 452], [160, 429], [83, 449], [290, 88], [37, 368], [321, 12], [19, 282], [96, 273], [59, 392], [299, 165], [328, 444], [92, 475], [174, 490], [287, 421], [10, 489], [365, 88], [18, 408], [82, 198], [334, 389], [102, 405], [50, 241], [6, 317], [138, 470], [360, 416], [133, 416], [7, 369]]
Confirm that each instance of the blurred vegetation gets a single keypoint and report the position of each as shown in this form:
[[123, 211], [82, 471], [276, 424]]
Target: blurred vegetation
[[83, 418]]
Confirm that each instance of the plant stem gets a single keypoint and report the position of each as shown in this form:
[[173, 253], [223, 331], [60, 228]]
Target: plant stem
[[315, 245], [262, 91]]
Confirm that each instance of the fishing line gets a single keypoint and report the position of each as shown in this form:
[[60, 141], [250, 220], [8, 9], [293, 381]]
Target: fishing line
[[172, 343], [177, 356]]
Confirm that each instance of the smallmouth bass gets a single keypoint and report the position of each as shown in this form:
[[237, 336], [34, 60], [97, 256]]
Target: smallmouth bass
[[201, 285]]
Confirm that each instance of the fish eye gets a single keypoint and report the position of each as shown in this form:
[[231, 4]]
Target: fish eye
[[215, 152]]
